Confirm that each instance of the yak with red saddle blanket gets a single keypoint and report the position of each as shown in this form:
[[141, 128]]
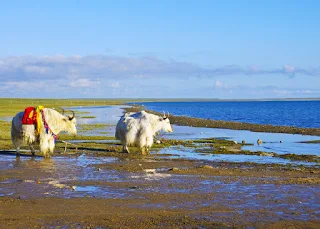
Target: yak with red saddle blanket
[[40, 126]]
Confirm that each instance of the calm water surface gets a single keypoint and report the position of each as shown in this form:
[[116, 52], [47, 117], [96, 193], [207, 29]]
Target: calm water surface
[[280, 113]]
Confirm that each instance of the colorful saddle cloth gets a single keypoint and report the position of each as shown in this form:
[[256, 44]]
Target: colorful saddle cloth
[[29, 116], [32, 116]]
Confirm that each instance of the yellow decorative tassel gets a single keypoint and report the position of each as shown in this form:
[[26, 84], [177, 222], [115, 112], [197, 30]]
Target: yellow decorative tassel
[[39, 118], [31, 115]]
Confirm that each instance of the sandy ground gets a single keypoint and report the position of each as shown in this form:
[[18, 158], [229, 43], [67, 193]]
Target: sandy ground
[[99, 190]]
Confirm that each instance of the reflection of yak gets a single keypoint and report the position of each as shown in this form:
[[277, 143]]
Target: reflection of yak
[[50, 124], [138, 129]]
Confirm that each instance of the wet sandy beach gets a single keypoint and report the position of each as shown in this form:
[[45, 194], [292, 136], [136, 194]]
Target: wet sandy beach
[[135, 192]]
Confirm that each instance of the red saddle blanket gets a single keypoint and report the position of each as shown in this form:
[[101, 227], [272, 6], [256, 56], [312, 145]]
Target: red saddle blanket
[[29, 116]]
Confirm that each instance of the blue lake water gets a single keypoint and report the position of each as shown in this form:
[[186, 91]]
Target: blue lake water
[[282, 113]]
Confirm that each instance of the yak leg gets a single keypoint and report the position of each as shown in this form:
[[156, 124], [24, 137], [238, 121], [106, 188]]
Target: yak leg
[[44, 146], [32, 150], [149, 142], [51, 145], [18, 151], [143, 150], [17, 142], [125, 149]]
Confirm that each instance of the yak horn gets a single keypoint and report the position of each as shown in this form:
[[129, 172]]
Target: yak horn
[[164, 114], [168, 114], [72, 116]]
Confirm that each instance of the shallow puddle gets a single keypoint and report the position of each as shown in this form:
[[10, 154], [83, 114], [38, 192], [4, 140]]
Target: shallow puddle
[[289, 142], [190, 153], [54, 176]]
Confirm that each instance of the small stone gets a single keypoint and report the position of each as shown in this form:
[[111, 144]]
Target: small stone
[[158, 141], [259, 141], [99, 169], [266, 154], [73, 187], [150, 171], [243, 142], [174, 169], [235, 142], [280, 141]]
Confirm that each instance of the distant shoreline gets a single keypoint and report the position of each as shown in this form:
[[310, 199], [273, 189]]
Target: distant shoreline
[[227, 100], [134, 100]]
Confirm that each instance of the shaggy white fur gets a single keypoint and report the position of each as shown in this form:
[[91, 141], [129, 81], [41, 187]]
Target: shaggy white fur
[[26, 134], [138, 129]]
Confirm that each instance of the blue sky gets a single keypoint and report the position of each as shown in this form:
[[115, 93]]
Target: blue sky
[[160, 49]]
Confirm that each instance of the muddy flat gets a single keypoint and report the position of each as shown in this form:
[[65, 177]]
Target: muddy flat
[[108, 191]]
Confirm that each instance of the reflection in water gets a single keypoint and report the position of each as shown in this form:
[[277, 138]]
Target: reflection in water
[[55, 176]]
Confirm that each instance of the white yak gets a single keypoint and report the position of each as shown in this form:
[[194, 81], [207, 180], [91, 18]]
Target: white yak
[[138, 129], [27, 134]]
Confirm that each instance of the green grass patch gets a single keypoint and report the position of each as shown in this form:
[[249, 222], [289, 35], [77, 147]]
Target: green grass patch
[[87, 127], [88, 116], [84, 137], [5, 136], [311, 142], [303, 157]]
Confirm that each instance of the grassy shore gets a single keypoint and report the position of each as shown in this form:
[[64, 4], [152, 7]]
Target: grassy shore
[[9, 107]]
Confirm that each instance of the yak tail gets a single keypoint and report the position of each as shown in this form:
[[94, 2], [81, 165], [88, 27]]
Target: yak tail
[[116, 135]]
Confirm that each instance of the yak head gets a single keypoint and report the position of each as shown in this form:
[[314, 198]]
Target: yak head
[[165, 123], [70, 124]]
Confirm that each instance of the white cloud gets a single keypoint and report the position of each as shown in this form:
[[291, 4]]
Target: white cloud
[[23, 85], [83, 83], [282, 92], [94, 74], [115, 85], [304, 91], [36, 69], [289, 69], [218, 84], [113, 67]]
